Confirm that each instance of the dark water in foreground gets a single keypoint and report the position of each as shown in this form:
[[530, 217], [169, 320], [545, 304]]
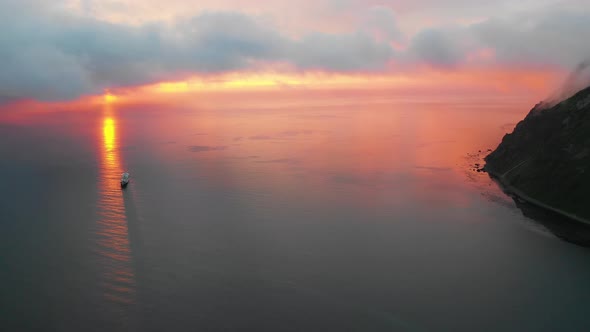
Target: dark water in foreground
[[296, 216]]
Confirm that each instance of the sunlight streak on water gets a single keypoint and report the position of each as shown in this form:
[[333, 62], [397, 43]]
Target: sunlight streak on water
[[342, 214], [118, 278]]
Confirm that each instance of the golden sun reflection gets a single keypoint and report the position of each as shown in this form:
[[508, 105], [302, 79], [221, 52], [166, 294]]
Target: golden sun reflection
[[109, 134], [118, 279]]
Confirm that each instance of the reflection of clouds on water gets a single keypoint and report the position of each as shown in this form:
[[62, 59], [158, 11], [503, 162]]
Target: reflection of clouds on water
[[287, 134], [296, 132], [428, 144], [279, 161], [322, 116], [205, 148], [260, 137], [245, 157], [434, 168], [376, 179]]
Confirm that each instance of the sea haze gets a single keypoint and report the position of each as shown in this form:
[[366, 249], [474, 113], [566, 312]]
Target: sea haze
[[328, 213]]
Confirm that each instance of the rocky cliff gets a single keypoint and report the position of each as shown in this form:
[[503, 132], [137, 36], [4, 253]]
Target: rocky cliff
[[546, 159]]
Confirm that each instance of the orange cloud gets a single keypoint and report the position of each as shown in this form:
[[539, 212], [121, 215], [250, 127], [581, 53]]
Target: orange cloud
[[421, 83], [490, 81]]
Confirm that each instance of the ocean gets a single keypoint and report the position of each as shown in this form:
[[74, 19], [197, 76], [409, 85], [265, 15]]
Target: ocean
[[291, 212]]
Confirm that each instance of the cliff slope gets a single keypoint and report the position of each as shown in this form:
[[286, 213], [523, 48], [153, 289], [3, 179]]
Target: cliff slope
[[547, 156]]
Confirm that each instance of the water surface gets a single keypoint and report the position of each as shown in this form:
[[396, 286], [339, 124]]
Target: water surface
[[331, 213]]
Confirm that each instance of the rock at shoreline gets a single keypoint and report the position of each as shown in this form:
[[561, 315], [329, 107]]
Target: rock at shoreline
[[547, 156]]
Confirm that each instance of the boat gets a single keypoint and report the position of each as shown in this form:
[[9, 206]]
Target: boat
[[124, 180]]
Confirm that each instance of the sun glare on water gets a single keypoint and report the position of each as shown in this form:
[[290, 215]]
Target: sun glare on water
[[109, 135]]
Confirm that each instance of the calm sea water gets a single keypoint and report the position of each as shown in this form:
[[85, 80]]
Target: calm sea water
[[330, 213]]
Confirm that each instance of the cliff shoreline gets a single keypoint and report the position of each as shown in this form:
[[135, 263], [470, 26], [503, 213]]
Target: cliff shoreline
[[545, 161], [513, 191]]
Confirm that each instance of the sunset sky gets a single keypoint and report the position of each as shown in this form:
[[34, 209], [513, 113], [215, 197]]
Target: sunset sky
[[65, 49]]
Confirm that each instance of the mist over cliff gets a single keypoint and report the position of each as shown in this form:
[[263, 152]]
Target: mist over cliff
[[577, 80]]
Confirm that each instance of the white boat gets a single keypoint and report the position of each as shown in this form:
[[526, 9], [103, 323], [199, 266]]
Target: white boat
[[124, 180]]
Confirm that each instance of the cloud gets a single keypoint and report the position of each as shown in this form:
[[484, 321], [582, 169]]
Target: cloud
[[340, 52], [577, 80], [434, 47], [544, 37], [548, 37], [50, 53], [381, 20]]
